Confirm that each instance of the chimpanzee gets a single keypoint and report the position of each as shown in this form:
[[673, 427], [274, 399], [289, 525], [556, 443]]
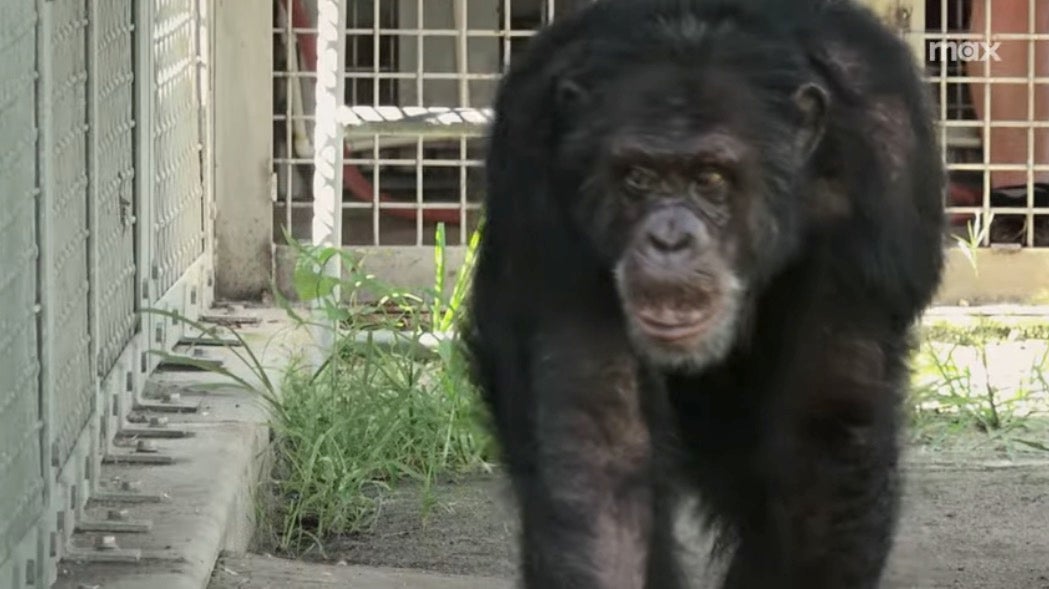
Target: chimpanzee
[[709, 228]]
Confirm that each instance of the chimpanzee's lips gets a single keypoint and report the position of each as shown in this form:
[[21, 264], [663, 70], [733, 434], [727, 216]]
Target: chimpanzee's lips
[[671, 325]]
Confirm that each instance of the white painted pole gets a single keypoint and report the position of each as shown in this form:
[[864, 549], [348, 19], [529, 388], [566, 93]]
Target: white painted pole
[[328, 140]]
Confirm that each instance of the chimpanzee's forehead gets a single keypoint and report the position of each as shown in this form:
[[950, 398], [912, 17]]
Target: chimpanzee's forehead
[[679, 145], [667, 96]]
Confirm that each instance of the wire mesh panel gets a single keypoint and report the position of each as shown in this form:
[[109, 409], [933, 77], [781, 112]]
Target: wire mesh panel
[[987, 60], [113, 188], [65, 211], [178, 209], [20, 466], [398, 185], [988, 64]]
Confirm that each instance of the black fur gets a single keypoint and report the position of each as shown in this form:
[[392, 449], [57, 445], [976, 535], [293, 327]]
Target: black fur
[[791, 438]]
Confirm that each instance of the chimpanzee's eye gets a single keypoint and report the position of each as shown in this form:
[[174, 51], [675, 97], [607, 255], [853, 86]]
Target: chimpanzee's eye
[[709, 183], [640, 179], [709, 179]]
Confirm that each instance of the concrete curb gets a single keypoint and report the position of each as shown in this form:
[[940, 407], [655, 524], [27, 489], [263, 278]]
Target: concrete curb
[[278, 573], [204, 508], [201, 501]]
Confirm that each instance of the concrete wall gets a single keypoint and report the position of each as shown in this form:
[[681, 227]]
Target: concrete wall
[[243, 109]]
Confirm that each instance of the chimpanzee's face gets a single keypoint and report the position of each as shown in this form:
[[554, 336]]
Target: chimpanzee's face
[[687, 194]]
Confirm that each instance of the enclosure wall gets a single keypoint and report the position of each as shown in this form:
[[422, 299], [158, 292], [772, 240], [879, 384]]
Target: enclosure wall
[[102, 218]]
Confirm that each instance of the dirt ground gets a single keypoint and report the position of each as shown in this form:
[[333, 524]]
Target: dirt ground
[[967, 523], [972, 519]]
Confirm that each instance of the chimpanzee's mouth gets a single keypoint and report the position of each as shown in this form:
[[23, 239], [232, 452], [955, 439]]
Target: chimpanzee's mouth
[[672, 326]]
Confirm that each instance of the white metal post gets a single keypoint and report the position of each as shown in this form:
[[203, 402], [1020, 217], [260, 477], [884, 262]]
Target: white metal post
[[45, 290], [145, 92], [94, 144], [328, 138]]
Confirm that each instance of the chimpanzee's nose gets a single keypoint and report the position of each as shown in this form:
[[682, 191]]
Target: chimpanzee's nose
[[673, 231], [669, 237]]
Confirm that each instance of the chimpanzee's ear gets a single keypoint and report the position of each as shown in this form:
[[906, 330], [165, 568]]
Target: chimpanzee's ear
[[812, 101], [570, 94]]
